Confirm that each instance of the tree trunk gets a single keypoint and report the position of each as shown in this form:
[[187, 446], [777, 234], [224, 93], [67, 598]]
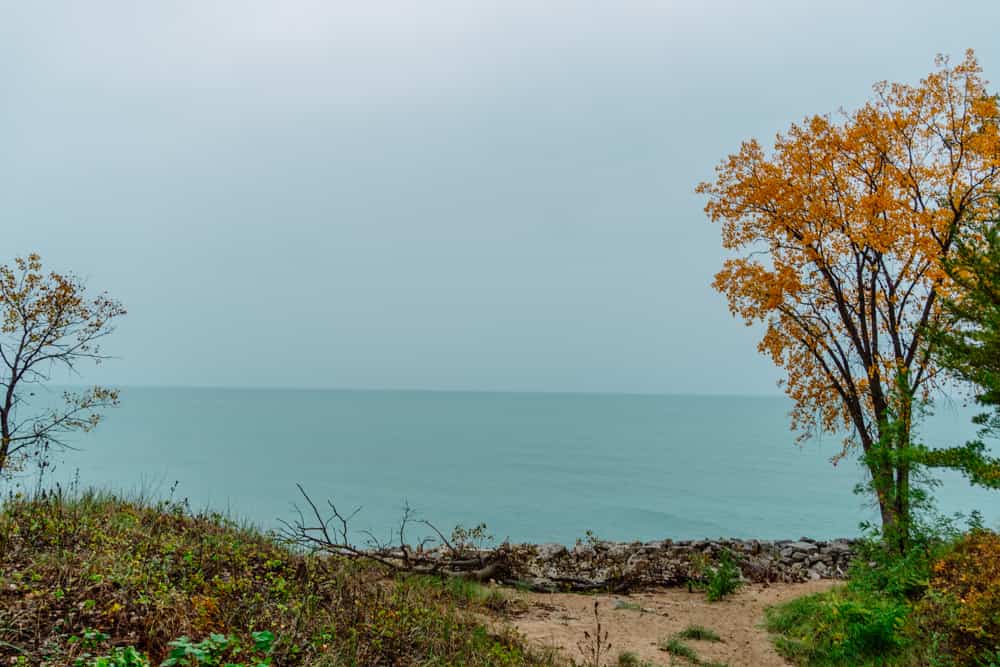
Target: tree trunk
[[890, 470], [4, 440]]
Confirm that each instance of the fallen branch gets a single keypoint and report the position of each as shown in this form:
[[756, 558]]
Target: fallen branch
[[437, 556]]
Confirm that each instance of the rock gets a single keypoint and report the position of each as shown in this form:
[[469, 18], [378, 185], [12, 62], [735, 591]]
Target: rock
[[591, 566], [619, 551], [550, 551], [838, 547]]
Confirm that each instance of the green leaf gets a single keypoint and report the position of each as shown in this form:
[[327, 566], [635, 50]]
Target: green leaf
[[263, 640]]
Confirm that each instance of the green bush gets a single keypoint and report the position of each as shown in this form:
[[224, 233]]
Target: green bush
[[122, 657], [841, 627], [723, 579]]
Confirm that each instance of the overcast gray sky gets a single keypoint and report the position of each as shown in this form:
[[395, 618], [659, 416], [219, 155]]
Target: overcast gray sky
[[420, 193]]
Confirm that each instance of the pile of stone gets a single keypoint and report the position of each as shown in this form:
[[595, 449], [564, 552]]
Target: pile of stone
[[620, 566]]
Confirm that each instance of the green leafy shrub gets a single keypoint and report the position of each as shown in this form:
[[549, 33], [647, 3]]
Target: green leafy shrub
[[724, 578], [122, 657]]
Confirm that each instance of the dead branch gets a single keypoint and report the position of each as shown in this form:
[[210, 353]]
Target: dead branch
[[329, 534]]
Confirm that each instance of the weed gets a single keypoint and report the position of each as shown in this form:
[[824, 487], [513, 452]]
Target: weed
[[699, 633], [677, 648], [121, 657], [595, 646], [630, 659], [724, 578]]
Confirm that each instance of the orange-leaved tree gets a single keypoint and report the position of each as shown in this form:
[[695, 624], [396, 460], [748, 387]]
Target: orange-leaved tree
[[47, 324], [840, 232]]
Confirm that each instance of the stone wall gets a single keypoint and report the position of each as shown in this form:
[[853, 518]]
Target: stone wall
[[619, 566]]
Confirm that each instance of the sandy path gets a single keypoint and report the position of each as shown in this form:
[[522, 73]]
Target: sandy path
[[559, 619]]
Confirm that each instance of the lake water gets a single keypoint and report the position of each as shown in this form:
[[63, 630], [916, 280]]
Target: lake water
[[533, 467]]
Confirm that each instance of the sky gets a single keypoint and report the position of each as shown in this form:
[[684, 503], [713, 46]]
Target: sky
[[421, 193]]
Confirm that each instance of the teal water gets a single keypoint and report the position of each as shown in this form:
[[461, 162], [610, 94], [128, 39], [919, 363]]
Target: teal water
[[533, 467]]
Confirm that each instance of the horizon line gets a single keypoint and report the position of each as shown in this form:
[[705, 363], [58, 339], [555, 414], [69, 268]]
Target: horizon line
[[429, 390]]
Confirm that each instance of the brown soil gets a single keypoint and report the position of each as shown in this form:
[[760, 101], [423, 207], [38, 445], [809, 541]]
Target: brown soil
[[560, 619]]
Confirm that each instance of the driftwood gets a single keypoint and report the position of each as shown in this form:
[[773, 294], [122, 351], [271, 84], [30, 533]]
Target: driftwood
[[435, 555]]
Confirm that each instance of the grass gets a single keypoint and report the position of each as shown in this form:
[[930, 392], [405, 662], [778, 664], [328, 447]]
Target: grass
[[677, 648], [699, 633], [839, 627], [89, 575], [630, 659], [466, 591]]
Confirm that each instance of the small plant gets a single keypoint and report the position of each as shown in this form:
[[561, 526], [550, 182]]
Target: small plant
[[630, 659], [495, 600], [628, 605], [596, 646], [187, 653], [677, 648], [466, 539], [210, 651], [697, 568], [122, 657], [699, 633], [723, 579], [90, 640]]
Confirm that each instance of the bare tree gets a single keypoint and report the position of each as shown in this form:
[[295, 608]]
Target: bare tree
[[47, 325]]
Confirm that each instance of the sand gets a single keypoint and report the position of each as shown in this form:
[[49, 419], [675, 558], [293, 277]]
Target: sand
[[560, 619]]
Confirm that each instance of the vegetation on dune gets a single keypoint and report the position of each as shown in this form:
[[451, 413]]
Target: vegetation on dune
[[98, 580]]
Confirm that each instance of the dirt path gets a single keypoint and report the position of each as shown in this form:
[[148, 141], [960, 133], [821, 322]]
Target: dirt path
[[637, 622]]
